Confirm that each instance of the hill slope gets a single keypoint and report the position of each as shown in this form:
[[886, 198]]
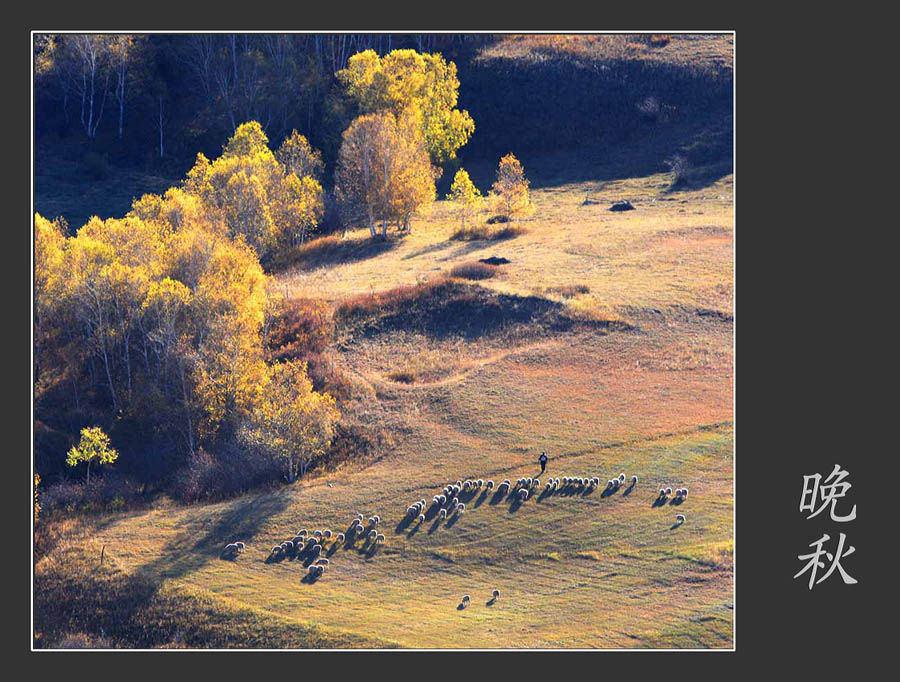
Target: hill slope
[[651, 396]]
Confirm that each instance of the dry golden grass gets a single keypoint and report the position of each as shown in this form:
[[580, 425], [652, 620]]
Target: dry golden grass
[[676, 248], [696, 50], [654, 399]]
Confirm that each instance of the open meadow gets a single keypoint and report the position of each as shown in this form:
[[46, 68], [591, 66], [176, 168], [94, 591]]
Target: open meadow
[[606, 341]]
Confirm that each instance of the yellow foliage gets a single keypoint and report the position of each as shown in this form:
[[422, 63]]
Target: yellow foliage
[[510, 190], [405, 82]]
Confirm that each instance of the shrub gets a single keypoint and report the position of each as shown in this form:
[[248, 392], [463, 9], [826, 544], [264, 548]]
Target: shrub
[[476, 232], [111, 492], [679, 167], [299, 328], [391, 300], [403, 376], [474, 270], [235, 468]]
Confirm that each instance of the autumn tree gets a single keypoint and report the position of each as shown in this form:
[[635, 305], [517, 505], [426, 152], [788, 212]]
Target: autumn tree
[[297, 156], [292, 422], [49, 240], [384, 170], [157, 319], [256, 195], [405, 82], [92, 82], [92, 447], [465, 194], [510, 189]]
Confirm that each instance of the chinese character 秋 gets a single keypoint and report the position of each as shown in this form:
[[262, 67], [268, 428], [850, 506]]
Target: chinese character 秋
[[828, 492], [815, 564]]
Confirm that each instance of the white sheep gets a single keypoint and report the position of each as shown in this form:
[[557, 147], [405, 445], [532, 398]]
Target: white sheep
[[523, 494], [633, 480], [496, 594], [443, 513], [684, 492], [340, 537], [421, 518], [679, 518], [490, 485]]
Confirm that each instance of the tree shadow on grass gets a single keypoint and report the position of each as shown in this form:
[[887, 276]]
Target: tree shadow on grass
[[114, 602], [327, 251]]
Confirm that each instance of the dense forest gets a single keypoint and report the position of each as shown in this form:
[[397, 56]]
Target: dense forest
[[161, 326]]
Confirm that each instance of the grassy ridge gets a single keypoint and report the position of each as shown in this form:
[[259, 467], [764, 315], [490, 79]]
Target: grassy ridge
[[653, 397]]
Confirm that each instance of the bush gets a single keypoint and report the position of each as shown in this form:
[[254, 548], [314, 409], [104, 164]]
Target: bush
[[679, 166], [236, 468], [474, 270], [110, 492], [388, 301], [299, 329], [477, 232]]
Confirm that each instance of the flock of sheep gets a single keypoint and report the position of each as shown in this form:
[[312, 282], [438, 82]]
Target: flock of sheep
[[309, 547]]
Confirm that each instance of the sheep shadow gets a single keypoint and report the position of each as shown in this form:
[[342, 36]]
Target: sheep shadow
[[434, 526], [491, 601], [460, 606], [404, 524], [477, 503], [544, 495], [676, 501], [415, 529], [590, 491], [332, 549], [275, 558], [452, 520], [497, 498], [659, 502], [309, 579], [608, 492], [676, 525], [628, 490], [466, 496], [515, 505]]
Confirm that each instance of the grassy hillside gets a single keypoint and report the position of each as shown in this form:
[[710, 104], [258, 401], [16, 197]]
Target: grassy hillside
[[606, 341]]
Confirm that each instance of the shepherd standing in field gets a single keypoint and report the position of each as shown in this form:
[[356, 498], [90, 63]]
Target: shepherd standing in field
[[543, 460]]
